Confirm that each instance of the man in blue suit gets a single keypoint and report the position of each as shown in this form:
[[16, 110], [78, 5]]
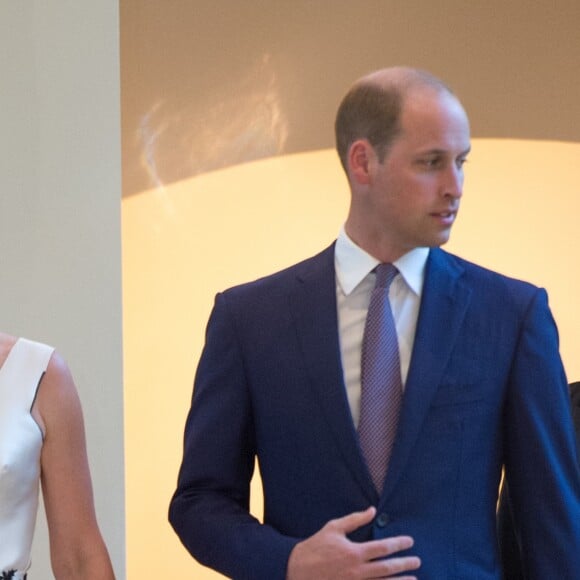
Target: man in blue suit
[[483, 384]]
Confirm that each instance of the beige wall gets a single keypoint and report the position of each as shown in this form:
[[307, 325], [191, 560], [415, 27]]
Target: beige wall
[[60, 176], [228, 174]]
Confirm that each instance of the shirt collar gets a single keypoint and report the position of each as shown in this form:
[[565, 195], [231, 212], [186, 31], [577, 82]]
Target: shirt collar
[[353, 264]]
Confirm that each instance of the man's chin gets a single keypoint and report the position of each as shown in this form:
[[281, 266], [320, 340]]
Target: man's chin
[[436, 243]]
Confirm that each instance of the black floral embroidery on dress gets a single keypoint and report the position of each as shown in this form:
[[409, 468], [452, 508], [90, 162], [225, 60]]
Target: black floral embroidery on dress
[[10, 574]]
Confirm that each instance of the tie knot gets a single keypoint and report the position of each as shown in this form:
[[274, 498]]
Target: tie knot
[[385, 275]]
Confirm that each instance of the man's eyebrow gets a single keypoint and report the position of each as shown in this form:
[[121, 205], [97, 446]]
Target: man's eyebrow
[[437, 151]]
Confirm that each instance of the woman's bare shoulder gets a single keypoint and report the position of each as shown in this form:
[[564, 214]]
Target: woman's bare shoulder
[[58, 398], [6, 343]]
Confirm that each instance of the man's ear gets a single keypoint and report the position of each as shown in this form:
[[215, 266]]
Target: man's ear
[[360, 159]]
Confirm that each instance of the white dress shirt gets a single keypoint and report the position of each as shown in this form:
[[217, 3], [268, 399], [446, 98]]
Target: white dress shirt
[[355, 281]]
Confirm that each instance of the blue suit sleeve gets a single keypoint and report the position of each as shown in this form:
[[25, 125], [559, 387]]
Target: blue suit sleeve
[[210, 508], [540, 451]]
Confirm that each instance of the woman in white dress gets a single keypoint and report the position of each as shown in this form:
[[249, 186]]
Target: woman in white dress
[[42, 444]]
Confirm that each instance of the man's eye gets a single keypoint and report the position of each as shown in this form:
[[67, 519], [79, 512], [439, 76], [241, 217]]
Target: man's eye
[[461, 162], [430, 162]]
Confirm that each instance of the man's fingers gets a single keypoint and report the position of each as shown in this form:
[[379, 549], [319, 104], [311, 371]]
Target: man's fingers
[[376, 549], [330, 554], [386, 568], [353, 521]]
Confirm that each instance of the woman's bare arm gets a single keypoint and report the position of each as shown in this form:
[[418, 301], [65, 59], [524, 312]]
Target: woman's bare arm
[[77, 548]]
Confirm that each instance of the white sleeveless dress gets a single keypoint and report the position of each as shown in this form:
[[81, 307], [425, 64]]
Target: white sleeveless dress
[[20, 446]]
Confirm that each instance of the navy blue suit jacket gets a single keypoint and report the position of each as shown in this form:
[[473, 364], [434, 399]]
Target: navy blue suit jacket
[[514, 561], [485, 388]]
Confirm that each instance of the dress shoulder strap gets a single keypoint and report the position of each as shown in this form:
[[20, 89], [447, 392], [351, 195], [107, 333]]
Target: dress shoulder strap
[[25, 365]]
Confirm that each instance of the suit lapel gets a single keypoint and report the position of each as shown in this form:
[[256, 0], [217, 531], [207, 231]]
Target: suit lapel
[[313, 307], [443, 305]]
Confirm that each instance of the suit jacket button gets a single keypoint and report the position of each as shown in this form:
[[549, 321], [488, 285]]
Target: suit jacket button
[[382, 520]]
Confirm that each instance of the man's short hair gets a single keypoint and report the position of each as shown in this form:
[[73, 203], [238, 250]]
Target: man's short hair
[[368, 111], [372, 108]]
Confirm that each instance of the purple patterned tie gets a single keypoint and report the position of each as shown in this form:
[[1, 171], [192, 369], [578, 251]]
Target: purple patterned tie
[[381, 384]]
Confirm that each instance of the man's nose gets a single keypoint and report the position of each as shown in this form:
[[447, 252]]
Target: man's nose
[[452, 184]]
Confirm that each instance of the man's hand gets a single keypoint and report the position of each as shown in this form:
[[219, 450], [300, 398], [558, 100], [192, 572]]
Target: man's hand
[[330, 555]]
